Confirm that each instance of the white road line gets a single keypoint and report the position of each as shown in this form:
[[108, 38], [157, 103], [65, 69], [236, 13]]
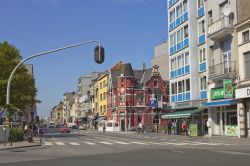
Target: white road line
[[48, 143], [106, 143], [74, 143], [140, 143], [123, 143], [60, 143], [90, 143], [233, 153]]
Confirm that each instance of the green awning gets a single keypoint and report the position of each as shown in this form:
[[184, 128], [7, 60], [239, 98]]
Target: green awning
[[180, 114]]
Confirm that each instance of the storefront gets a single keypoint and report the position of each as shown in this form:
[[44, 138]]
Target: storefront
[[243, 98], [222, 111], [193, 117]]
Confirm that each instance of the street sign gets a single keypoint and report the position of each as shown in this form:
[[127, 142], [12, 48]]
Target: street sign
[[153, 103]]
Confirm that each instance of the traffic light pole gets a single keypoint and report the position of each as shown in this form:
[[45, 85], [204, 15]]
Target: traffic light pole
[[157, 122], [36, 55]]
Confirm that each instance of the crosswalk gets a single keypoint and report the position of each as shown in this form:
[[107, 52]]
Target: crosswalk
[[143, 143]]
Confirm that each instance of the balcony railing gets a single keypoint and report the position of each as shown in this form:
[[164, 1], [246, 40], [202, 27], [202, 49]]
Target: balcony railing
[[220, 28], [223, 68]]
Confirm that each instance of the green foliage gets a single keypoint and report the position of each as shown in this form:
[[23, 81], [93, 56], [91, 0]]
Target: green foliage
[[23, 89], [16, 134]]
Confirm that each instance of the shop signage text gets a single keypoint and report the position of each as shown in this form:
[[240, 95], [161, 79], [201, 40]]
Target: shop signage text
[[242, 93], [228, 88], [217, 93]]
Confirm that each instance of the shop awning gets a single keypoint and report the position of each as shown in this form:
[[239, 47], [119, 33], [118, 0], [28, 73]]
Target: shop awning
[[180, 114], [219, 103]]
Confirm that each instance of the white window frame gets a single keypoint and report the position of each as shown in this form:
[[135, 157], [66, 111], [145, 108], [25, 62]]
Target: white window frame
[[201, 28], [203, 85], [202, 55]]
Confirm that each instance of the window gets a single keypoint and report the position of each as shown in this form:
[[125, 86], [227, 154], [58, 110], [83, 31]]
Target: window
[[122, 97], [210, 17], [101, 85], [200, 3], [180, 90], [245, 36], [179, 62], [172, 17], [201, 27], [187, 58], [104, 83], [202, 55], [104, 108], [179, 10], [104, 96], [173, 64], [155, 83], [184, 5], [186, 31], [172, 40], [203, 83], [178, 36], [100, 108], [247, 64], [187, 85], [100, 97], [172, 88]]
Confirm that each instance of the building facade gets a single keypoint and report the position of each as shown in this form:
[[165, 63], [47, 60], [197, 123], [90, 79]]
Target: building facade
[[160, 58], [187, 62]]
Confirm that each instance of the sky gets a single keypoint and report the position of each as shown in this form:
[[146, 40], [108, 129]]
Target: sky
[[128, 29]]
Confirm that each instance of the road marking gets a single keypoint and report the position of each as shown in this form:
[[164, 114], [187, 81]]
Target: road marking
[[233, 153], [74, 143], [60, 143], [54, 138], [90, 143], [140, 143], [106, 143], [48, 143], [123, 143]]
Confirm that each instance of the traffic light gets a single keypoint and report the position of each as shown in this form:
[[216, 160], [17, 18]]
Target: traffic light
[[99, 54]]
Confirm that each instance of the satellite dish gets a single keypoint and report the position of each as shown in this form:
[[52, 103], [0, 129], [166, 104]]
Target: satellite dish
[[227, 10]]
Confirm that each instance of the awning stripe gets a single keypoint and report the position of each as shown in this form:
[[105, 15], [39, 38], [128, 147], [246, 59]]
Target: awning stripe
[[219, 103]]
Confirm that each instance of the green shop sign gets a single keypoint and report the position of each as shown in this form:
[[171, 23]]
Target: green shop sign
[[228, 88], [217, 93]]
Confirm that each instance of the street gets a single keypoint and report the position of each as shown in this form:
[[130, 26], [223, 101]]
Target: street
[[97, 148]]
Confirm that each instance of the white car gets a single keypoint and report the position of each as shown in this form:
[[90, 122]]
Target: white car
[[72, 125]]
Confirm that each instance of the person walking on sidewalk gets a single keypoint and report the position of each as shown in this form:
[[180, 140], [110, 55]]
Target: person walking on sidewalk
[[169, 126], [140, 127], [184, 128]]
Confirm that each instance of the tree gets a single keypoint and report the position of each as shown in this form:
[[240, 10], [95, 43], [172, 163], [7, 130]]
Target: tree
[[23, 91]]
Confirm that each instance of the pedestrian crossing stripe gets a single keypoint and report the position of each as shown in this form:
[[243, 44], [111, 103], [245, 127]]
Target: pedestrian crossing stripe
[[123, 143], [106, 143], [90, 143], [135, 142], [60, 143], [74, 143], [48, 143]]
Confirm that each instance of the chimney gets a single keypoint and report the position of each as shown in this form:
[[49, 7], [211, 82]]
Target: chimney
[[144, 67]]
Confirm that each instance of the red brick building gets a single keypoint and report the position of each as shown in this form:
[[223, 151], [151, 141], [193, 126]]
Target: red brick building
[[129, 95]]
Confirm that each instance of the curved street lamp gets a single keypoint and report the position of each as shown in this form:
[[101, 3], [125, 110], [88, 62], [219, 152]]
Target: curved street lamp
[[98, 57]]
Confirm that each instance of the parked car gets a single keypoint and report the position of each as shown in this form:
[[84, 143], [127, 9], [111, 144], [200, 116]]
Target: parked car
[[63, 129], [72, 125]]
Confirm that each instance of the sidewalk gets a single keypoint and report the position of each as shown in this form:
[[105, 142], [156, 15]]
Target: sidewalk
[[23, 144]]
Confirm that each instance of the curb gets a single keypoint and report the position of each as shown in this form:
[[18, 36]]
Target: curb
[[19, 147]]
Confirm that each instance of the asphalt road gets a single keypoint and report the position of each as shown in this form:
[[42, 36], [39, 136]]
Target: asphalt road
[[92, 148]]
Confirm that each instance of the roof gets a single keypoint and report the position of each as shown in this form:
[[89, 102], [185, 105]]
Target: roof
[[143, 76], [114, 75]]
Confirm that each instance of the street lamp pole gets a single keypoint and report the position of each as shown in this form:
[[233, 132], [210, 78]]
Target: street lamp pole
[[40, 54]]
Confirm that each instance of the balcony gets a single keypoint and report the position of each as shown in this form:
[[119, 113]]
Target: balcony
[[220, 28], [227, 68]]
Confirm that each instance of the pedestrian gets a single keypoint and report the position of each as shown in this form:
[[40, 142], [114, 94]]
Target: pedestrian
[[169, 126], [140, 127], [184, 128], [104, 128], [26, 128]]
